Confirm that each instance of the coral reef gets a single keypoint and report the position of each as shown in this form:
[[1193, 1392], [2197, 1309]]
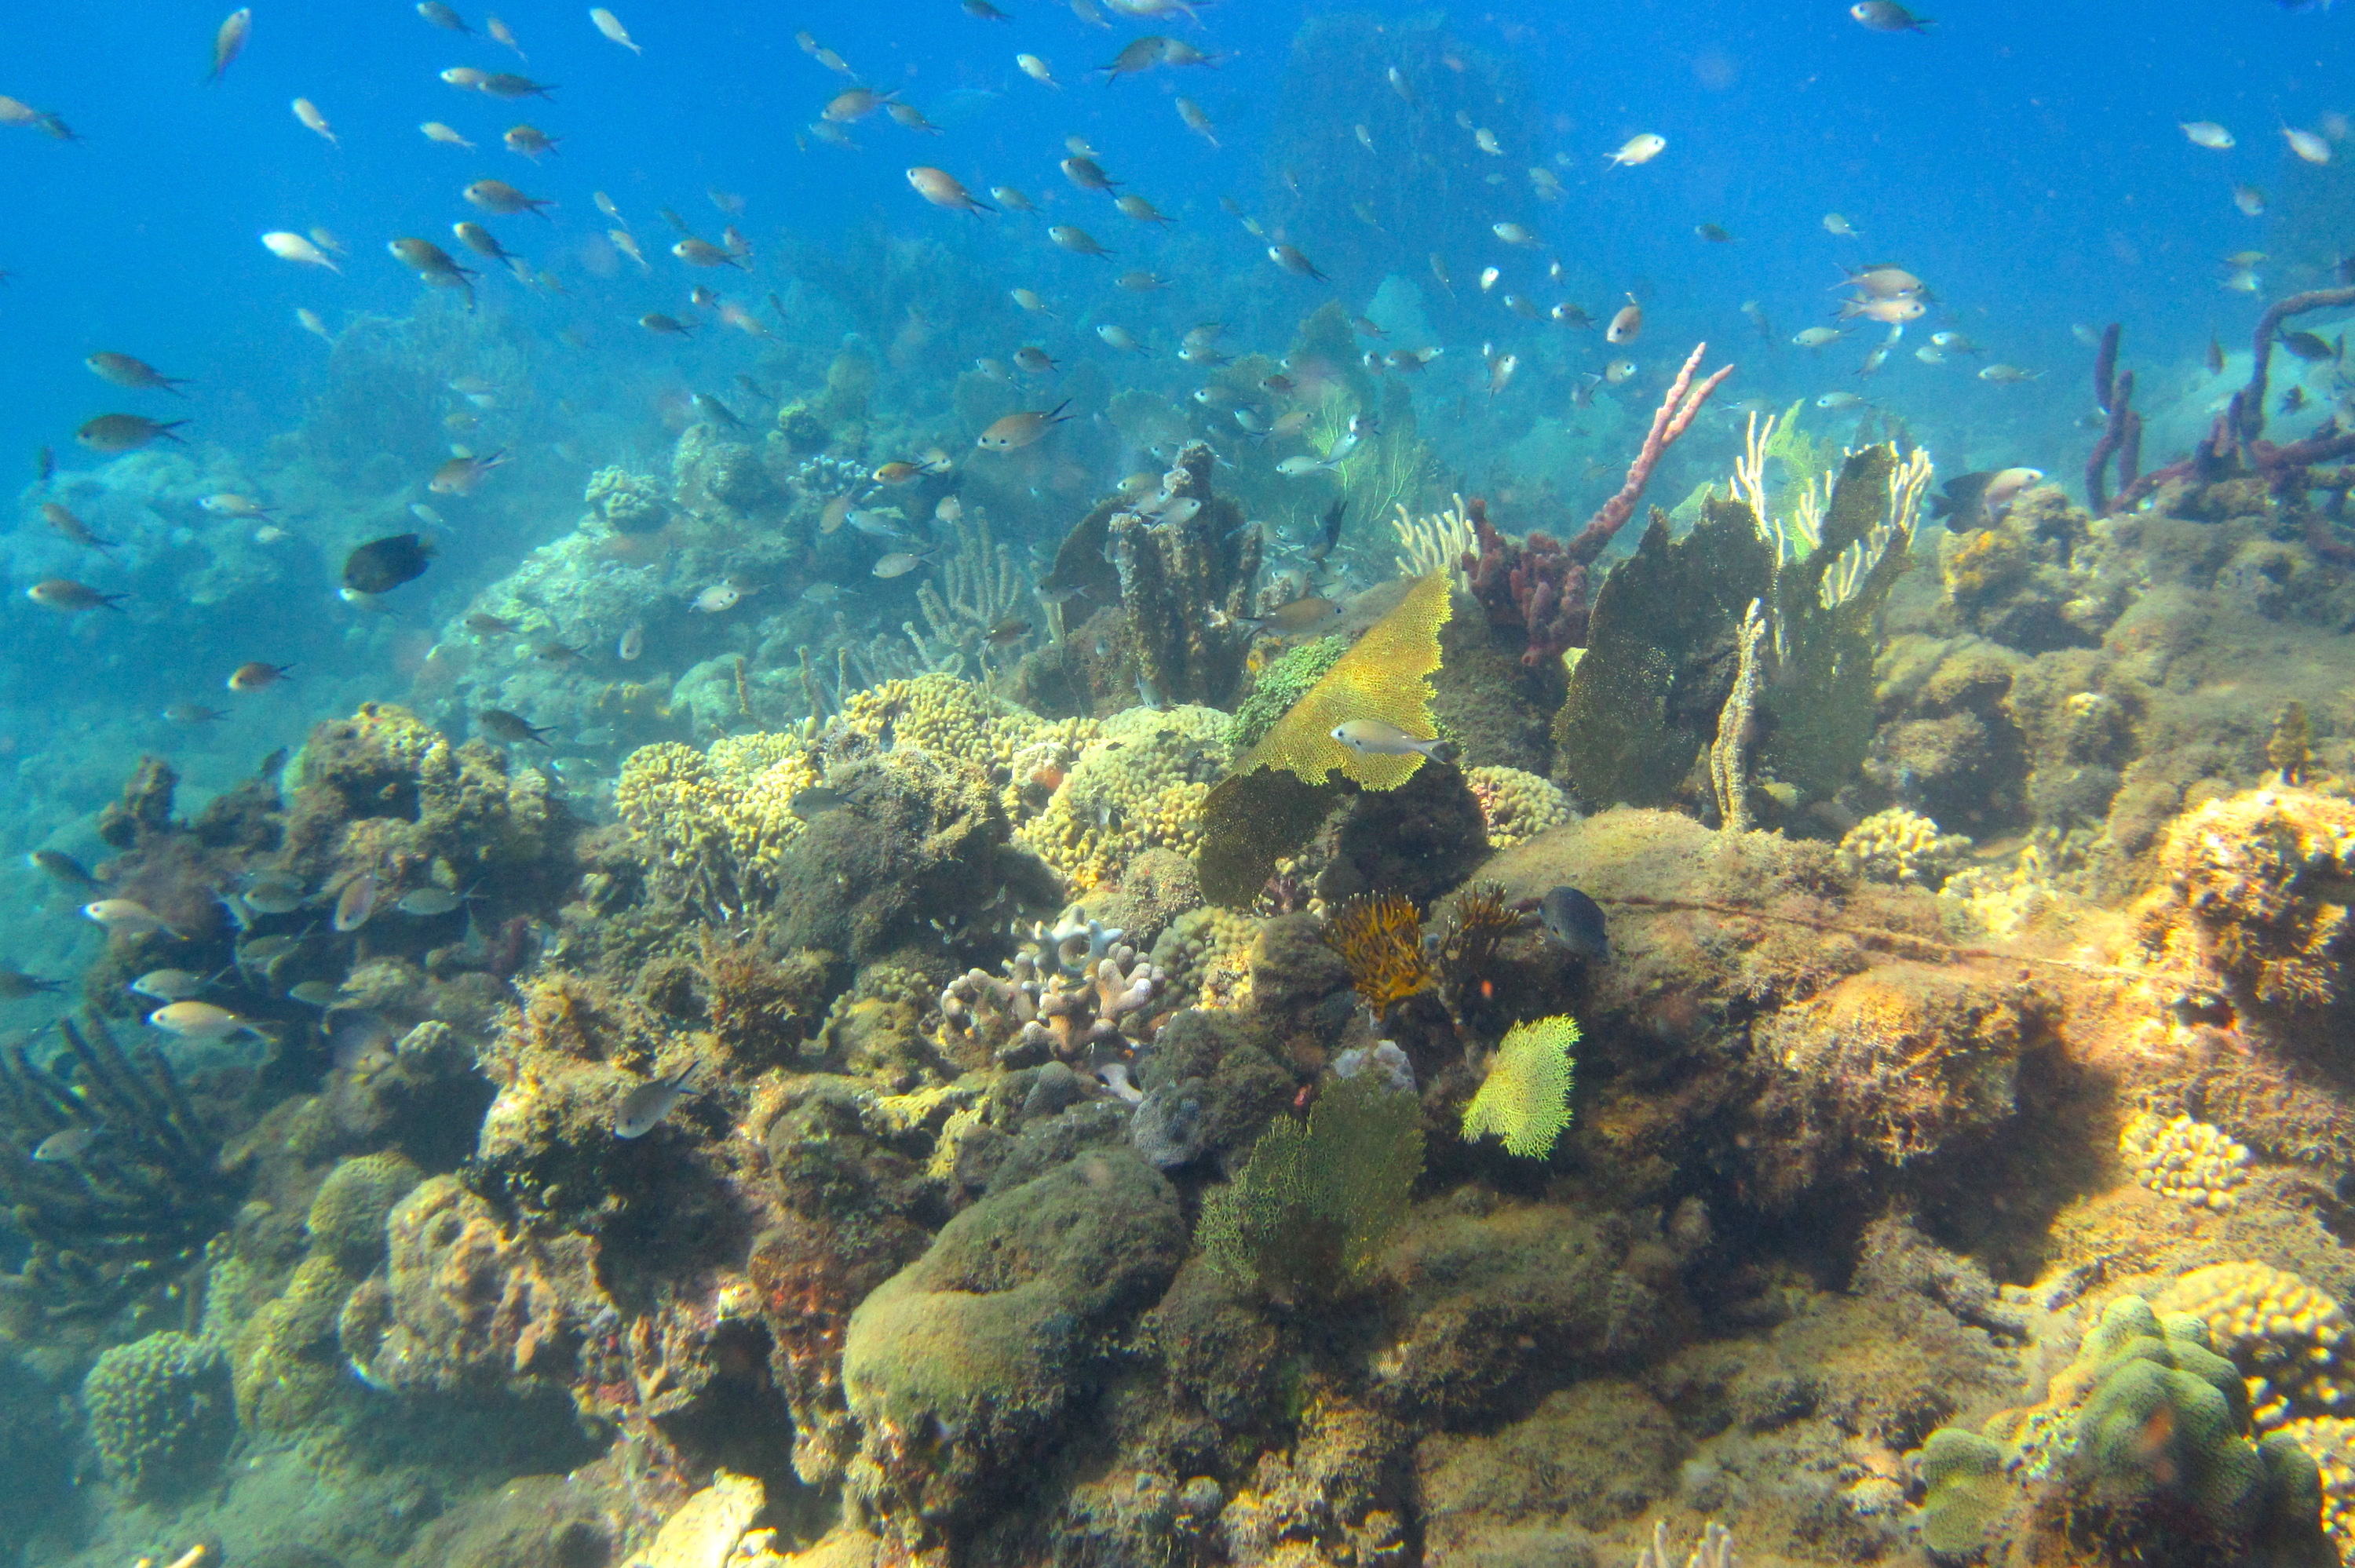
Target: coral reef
[[1379, 937], [1182, 573]]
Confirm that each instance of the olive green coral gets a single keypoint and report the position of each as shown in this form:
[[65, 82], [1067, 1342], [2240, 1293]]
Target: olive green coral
[[159, 1410], [1525, 1098], [1314, 1202], [2330, 1442], [2185, 1159]]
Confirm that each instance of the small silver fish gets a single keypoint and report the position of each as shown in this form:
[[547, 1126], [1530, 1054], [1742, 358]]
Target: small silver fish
[[70, 1144], [1374, 737], [425, 902], [646, 1105], [170, 985], [899, 563]]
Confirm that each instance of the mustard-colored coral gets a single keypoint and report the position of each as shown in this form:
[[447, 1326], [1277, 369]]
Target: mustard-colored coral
[[723, 820], [1137, 784], [2286, 1336], [1525, 1098], [956, 718], [1385, 677], [1901, 847], [2185, 1159], [1379, 937], [1516, 806], [2330, 1442]]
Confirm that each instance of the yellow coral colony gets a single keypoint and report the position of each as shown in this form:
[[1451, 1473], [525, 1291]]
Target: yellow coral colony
[[2284, 1335], [1525, 1099], [2185, 1159], [1386, 676]]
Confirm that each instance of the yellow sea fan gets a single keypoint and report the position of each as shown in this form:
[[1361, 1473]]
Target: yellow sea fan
[[1525, 1099], [1385, 676]]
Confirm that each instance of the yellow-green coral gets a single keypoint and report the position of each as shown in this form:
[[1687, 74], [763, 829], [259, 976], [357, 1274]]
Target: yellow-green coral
[[1525, 1098], [724, 819], [1279, 685], [2185, 1158], [1137, 784], [1901, 847], [2284, 1335], [1385, 677], [1516, 806], [288, 1369], [631, 503]]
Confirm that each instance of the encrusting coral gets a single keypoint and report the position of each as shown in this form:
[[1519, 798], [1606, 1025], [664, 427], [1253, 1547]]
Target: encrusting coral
[[1137, 784], [719, 822], [2185, 1158]]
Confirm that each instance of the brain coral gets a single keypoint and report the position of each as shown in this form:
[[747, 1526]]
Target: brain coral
[[346, 1219], [159, 1410], [2185, 1158]]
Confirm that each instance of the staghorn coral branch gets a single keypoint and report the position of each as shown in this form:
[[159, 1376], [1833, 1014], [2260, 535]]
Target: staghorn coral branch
[[1673, 416]]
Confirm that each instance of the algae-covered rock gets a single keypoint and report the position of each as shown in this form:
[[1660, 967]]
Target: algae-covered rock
[[159, 1410], [962, 1368]]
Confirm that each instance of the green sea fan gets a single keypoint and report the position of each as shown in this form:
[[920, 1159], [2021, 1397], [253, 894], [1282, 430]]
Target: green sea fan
[[1525, 1099]]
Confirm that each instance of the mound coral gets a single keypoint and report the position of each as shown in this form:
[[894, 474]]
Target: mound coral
[[1901, 847], [1379, 937], [2284, 1335], [159, 1410], [1312, 1204], [1206, 953], [958, 719], [961, 1369], [2330, 1442], [1525, 1098], [1516, 806], [2185, 1159]]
